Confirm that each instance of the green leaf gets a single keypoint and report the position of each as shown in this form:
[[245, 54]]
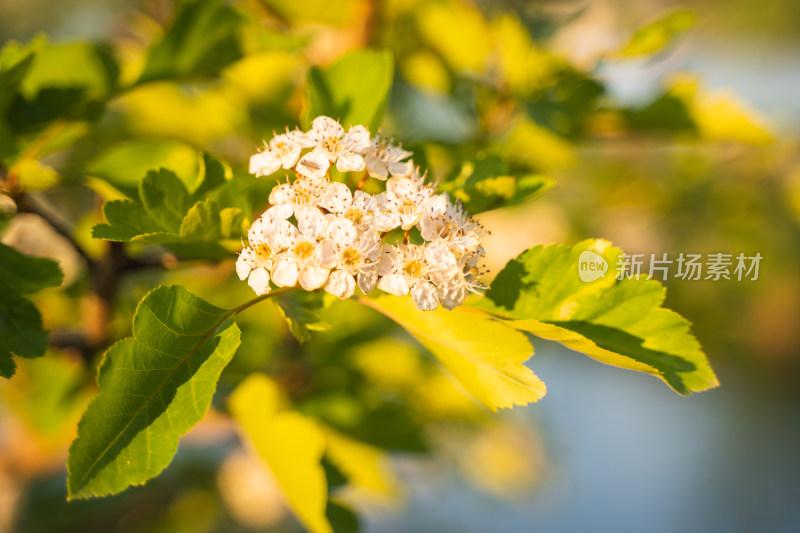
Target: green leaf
[[166, 214], [88, 66], [485, 355], [21, 332], [483, 183], [206, 222], [154, 387], [299, 311], [659, 33], [201, 40], [15, 62], [165, 199], [620, 323], [291, 444], [354, 89]]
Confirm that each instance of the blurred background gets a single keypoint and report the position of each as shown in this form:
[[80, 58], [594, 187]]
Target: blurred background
[[666, 127]]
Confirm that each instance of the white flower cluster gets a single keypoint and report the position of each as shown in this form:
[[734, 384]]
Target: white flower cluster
[[319, 233]]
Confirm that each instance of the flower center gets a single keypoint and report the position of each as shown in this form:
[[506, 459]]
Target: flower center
[[408, 207], [329, 144], [263, 250], [413, 268], [354, 215], [350, 257], [303, 249]]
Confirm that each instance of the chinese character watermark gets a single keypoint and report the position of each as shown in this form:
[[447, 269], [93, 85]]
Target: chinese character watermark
[[685, 266]]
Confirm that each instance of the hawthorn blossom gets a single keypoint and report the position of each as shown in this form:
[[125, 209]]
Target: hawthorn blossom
[[384, 159], [282, 151], [321, 234]]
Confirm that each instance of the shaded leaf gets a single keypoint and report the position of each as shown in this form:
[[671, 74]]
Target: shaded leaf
[[21, 332], [201, 40], [485, 355], [299, 311], [353, 90], [154, 387], [620, 322], [289, 443]]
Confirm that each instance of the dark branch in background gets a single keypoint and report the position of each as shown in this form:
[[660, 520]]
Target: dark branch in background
[[105, 274], [28, 204]]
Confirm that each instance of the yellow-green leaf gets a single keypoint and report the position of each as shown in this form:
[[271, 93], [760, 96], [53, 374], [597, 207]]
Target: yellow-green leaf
[[617, 322], [291, 445], [485, 355]]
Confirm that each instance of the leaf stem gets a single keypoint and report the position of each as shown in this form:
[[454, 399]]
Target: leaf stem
[[260, 298]]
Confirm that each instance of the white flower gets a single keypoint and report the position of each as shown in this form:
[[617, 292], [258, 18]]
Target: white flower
[[306, 257], [317, 233], [453, 292], [267, 237], [313, 165], [449, 222], [345, 149], [356, 259], [283, 151], [404, 269], [364, 210], [303, 138], [286, 199], [408, 198], [384, 159]]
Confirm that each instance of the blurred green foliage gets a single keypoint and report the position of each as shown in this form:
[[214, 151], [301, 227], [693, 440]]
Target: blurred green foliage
[[145, 138]]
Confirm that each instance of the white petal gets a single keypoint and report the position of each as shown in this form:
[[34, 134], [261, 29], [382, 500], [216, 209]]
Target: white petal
[[244, 263], [313, 165], [341, 284], [313, 277], [357, 139], [424, 296], [284, 273], [259, 281], [290, 154], [452, 294], [393, 284], [264, 163], [279, 234], [342, 232], [385, 222], [325, 255], [376, 168], [402, 170], [324, 127], [441, 259], [311, 222], [282, 194], [281, 211], [350, 162], [367, 280], [337, 197]]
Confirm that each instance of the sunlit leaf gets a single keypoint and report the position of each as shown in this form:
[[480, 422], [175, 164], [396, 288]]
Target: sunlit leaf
[[483, 183], [659, 33], [88, 66], [289, 443], [620, 323], [21, 332], [353, 90], [485, 355], [154, 387]]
